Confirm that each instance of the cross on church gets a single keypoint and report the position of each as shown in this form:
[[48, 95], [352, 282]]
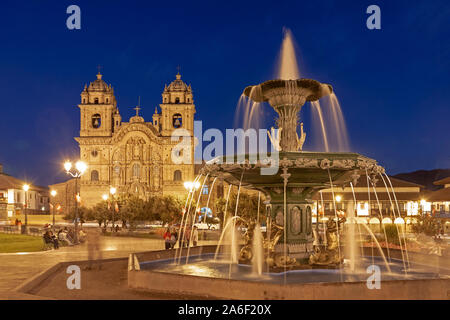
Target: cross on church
[[178, 68], [99, 67], [138, 106]]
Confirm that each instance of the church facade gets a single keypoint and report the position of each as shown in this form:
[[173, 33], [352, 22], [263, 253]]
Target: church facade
[[135, 157]]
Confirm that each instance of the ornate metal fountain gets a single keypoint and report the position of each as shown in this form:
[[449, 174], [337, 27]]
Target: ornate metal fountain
[[301, 174]]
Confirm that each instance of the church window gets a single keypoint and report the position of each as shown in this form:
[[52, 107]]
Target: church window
[[177, 120], [177, 175], [84, 100], [94, 175], [205, 190], [107, 100], [96, 100], [177, 100], [136, 170], [96, 121], [188, 100], [94, 153]]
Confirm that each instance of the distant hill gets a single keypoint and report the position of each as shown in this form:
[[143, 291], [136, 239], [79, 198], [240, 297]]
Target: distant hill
[[425, 177]]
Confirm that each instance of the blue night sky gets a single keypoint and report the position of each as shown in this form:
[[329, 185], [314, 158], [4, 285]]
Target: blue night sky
[[393, 83]]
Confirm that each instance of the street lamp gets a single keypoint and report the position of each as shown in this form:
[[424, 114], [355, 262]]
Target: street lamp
[[189, 185], [112, 191], [77, 172], [25, 188], [53, 194]]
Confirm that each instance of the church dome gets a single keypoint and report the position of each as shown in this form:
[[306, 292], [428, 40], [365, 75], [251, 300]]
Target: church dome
[[178, 85], [98, 85]]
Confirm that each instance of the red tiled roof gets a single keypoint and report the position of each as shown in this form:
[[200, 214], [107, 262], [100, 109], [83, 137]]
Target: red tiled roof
[[439, 195], [9, 182], [363, 196], [442, 181], [396, 183]]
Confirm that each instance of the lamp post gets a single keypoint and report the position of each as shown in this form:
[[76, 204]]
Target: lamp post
[[112, 191], [25, 188], [77, 172], [52, 204], [105, 198]]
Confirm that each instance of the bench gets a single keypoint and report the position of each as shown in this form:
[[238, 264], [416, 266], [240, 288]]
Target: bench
[[35, 231]]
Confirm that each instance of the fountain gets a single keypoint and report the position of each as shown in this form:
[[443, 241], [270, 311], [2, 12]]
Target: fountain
[[301, 174], [288, 262]]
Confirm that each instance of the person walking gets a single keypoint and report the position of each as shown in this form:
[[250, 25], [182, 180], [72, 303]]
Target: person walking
[[195, 236], [173, 239], [167, 238], [94, 248], [187, 236]]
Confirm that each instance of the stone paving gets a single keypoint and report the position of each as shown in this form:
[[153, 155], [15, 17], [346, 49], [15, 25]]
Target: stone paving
[[15, 268]]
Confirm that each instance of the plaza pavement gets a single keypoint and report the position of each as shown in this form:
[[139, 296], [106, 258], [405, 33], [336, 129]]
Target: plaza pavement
[[16, 268]]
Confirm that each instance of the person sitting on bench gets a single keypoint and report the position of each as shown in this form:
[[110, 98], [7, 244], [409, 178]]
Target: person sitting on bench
[[50, 238]]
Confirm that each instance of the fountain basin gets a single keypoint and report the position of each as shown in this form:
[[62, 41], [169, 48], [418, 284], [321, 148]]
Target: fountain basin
[[199, 278]]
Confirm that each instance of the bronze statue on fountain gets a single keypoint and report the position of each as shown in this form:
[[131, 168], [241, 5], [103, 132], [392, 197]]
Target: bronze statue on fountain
[[329, 254], [272, 259]]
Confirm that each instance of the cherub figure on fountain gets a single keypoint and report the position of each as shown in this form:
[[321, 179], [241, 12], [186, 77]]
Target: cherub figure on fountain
[[246, 253], [271, 258], [329, 254]]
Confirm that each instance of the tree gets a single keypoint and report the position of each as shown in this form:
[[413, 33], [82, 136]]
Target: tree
[[426, 224], [133, 209], [170, 209], [84, 214], [247, 207], [102, 213]]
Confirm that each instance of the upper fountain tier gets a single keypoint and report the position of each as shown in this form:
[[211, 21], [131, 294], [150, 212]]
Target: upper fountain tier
[[288, 92], [287, 98]]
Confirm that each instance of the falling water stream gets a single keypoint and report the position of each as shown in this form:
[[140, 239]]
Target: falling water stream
[[398, 233], [226, 237], [190, 195], [233, 239], [398, 211], [186, 217], [194, 218], [257, 249]]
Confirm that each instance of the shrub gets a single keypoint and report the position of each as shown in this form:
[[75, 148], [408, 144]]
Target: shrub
[[391, 233]]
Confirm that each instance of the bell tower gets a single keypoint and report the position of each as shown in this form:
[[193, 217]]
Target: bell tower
[[177, 108], [98, 108]]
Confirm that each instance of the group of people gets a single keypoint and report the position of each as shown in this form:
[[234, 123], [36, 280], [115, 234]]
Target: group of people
[[18, 223], [65, 236], [171, 236]]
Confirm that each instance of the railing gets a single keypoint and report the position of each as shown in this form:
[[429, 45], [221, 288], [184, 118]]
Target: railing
[[34, 231], [10, 229]]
